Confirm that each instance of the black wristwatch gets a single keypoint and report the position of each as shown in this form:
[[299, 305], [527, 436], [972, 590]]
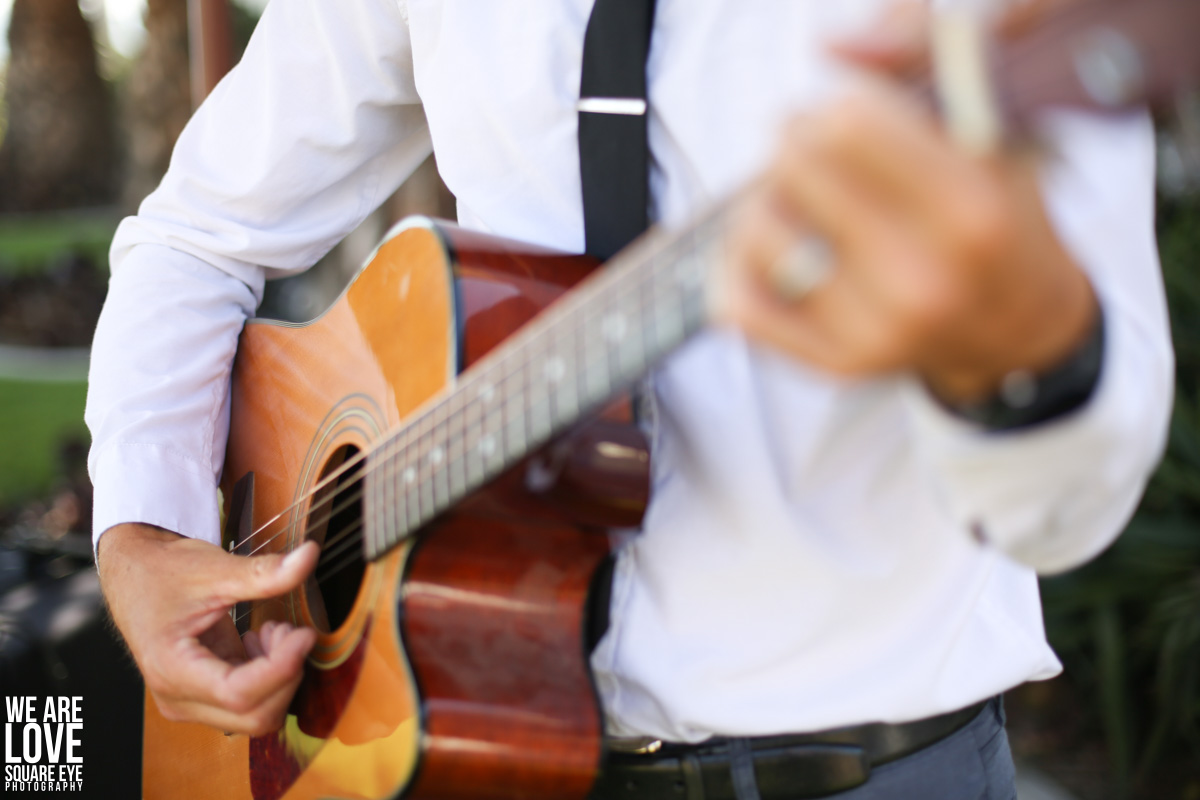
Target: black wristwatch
[[1026, 399]]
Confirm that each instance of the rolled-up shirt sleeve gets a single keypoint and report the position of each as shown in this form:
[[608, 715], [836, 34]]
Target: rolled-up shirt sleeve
[[317, 125], [1054, 495]]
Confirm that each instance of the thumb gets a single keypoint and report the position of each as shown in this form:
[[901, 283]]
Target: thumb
[[261, 577]]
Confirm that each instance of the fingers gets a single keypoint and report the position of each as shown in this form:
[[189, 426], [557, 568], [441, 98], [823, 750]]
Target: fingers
[[946, 265], [843, 325], [252, 644], [223, 641], [250, 697], [874, 179], [811, 186], [170, 597], [877, 141], [238, 578], [762, 232]]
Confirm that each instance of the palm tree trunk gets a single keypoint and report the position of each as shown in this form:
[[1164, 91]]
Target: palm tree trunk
[[60, 149], [157, 101]]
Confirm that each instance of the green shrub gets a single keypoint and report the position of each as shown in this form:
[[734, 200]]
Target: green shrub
[[1127, 625]]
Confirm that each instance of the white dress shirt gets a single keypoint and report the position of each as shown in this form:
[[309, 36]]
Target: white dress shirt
[[818, 552]]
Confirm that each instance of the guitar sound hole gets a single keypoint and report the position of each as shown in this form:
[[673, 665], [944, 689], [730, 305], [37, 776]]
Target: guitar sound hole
[[336, 524]]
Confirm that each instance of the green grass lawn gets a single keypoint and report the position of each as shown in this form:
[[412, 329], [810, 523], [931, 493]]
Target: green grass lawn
[[35, 419], [30, 241]]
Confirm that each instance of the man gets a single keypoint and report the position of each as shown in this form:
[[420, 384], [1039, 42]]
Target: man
[[841, 531]]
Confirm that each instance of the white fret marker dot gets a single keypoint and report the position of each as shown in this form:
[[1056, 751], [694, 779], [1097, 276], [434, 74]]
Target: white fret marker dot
[[614, 327], [487, 392], [555, 369], [410, 475], [487, 445], [436, 455]]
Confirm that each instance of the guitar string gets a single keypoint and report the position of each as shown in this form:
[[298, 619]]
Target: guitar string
[[317, 523], [433, 418], [426, 420], [330, 552], [609, 283], [340, 543], [339, 550], [344, 540], [356, 555], [457, 460], [352, 557], [432, 423]]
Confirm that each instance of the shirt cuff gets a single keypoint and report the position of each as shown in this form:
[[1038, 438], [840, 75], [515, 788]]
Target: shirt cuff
[[1055, 494], [150, 484]]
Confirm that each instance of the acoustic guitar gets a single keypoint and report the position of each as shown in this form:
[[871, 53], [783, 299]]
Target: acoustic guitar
[[452, 432]]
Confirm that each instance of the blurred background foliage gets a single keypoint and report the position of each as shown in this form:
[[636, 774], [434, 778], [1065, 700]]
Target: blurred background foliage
[[1127, 625], [95, 92], [90, 108]]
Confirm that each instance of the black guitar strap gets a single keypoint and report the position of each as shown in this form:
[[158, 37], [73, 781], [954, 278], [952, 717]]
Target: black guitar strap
[[614, 158]]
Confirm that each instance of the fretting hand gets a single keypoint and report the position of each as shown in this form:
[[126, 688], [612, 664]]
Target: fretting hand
[[944, 264]]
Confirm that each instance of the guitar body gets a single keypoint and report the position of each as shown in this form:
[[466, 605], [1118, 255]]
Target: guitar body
[[453, 665]]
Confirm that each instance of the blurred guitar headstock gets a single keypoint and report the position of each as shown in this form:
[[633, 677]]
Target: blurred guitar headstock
[[991, 78]]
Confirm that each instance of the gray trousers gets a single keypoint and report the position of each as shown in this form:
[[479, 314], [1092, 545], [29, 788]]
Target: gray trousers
[[973, 763]]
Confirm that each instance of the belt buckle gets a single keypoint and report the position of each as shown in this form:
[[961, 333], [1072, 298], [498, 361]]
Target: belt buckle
[[634, 745]]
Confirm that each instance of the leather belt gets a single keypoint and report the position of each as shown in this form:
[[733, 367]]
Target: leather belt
[[767, 767]]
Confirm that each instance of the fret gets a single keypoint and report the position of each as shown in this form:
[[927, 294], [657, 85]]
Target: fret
[[597, 381], [514, 412], [456, 476], [515, 443], [412, 490], [538, 412], [406, 480], [473, 406], [455, 468], [474, 460], [435, 460], [491, 443], [558, 368], [594, 366], [514, 381], [578, 374], [375, 482], [631, 360], [390, 498], [648, 330], [668, 319], [534, 386], [425, 505], [396, 458]]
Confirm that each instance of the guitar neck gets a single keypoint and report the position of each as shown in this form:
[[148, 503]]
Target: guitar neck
[[1106, 55], [593, 343], [1099, 55]]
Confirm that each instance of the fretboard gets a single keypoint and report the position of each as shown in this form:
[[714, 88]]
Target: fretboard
[[594, 342]]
